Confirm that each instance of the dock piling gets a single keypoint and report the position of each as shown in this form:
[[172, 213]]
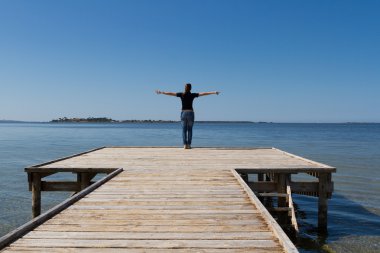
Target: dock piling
[[324, 182], [36, 194]]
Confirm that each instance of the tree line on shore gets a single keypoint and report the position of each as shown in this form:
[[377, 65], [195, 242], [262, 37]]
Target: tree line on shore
[[109, 120], [104, 120]]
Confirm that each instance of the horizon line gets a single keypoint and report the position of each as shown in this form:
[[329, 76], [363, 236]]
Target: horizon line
[[199, 121]]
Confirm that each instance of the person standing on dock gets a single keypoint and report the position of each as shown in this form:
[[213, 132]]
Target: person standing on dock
[[187, 114]]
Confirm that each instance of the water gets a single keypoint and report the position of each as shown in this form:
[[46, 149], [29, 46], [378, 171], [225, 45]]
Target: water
[[354, 210]]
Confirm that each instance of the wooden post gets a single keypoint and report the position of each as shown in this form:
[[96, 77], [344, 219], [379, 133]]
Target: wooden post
[[84, 180], [260, 177], [36, 194], [324, 179], [281, 188]]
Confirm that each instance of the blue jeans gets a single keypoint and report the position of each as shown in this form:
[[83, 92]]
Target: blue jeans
[[187, 119]]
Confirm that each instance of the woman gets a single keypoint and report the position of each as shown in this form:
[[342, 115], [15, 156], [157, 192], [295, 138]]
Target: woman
[[187, 114]]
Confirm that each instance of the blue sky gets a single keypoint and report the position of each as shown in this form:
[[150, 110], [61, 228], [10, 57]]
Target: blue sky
[[281, 61]]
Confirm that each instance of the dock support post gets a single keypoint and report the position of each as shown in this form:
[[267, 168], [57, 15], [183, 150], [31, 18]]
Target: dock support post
[[36, 194], [281, 188], [324, 180], [83, 178], [260, 177]]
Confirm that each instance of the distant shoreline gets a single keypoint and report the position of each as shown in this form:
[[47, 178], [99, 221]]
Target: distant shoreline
[[108, 120], [148, 121]]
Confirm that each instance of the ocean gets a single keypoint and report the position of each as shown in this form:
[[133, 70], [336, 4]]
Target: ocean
[[354, 149]]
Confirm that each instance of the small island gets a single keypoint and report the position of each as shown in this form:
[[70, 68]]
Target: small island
[[106, 120], [109, 120]]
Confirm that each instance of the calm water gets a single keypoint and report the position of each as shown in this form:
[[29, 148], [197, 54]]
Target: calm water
[[354, 210]]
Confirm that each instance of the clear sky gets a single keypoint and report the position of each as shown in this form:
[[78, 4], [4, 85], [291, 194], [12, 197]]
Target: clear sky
[[280, 61]]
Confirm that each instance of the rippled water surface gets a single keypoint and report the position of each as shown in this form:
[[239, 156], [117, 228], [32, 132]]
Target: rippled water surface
[[354, 210]]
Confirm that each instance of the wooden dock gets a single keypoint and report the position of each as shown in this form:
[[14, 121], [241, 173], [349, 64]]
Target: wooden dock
[[165, 199]]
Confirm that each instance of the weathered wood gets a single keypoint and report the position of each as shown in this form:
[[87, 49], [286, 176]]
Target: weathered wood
[[105, 220], [19, 232], [279, 209], [36, 194], [181, 200], [161, 216], [283, 238], [281, 188], [85, 180], [263, 186], [154, 236], [280, 180], [174, 244], [304, 186], [42, 175], [141, 250], [329, 168], [60, 186], [30, 169], [107, 170], [293, 219], [324, 179], [149, 228], [285, 169], [273, 194], [260, 177]]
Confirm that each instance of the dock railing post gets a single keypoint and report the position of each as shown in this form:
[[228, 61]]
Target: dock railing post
[[323, 184], [36, 194]]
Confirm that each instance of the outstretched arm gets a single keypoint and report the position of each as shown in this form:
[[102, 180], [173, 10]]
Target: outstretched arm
[[166, 93], [209, 93]]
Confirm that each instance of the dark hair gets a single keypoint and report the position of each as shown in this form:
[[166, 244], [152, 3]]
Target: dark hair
[[187, 88]]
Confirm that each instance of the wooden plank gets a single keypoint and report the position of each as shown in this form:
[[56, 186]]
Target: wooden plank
[[74, 169], [19, 232], [263, 186], [128, 208], [121, 215], [163, 198], [198, 192], [150, 222], [285, 169], [152, 228], [137, 250], [326, 167], [293, 219], [60, 186], [154, 236], [283, 238], [164, 202], [159, 195], [30, 169], [273, 194], [156, 244]]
